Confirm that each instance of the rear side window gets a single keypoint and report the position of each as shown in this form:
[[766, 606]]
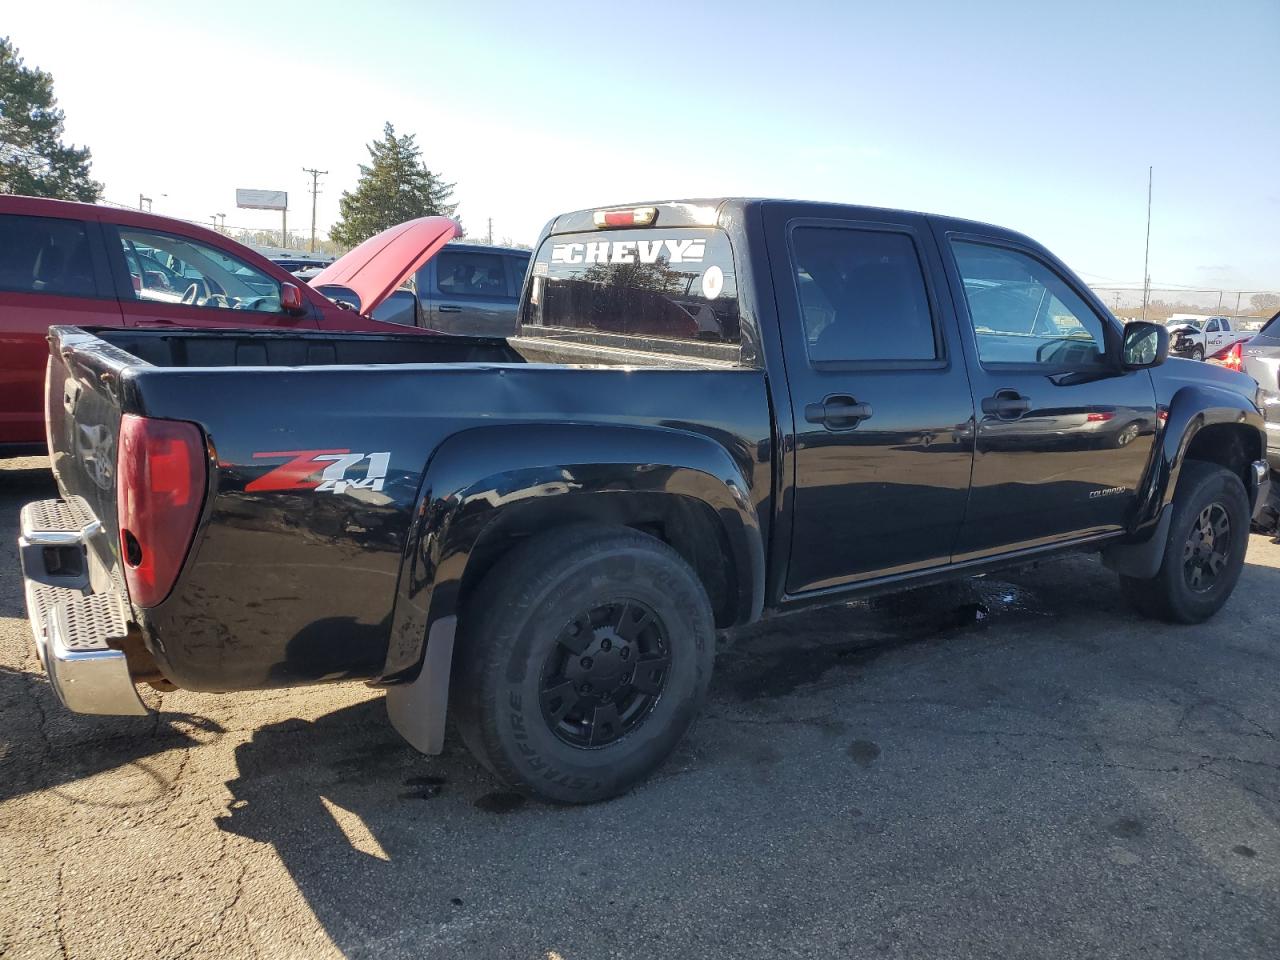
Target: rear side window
[[45, 255], [463, 273], [862, 295], [659, 284]]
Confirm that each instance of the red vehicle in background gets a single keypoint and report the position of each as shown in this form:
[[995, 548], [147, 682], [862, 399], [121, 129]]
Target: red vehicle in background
[[81, 264]]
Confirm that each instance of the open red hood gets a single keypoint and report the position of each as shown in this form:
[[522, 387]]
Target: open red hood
[[373, 270]]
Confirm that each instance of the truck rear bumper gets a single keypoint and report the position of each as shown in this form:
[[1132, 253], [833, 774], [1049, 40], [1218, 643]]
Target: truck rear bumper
[[79, 634]]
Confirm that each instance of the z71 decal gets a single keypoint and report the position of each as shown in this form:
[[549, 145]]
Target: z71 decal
[[300, 473]]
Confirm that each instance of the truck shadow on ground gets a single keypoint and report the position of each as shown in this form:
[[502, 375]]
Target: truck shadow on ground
[[51, 747], [395, 851]]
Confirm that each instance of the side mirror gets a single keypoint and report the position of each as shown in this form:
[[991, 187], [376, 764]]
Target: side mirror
[[1144, 345], [291, 299]]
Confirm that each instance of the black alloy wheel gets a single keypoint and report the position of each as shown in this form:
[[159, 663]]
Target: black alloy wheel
[[1207, 550], [607, 670]]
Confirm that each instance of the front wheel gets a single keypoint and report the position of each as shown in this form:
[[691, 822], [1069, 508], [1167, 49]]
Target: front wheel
[[585, 656], [1197, 353], [1208, 536]]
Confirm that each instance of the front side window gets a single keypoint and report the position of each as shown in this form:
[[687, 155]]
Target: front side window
[[45, 255], [164, 268], [1024, 313], [665, 285], [862, 295], [1212, 327], [461, 273]]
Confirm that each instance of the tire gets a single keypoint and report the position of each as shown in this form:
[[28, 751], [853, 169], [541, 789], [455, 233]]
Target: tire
[[1197, 353], [549, 621], [1212, 497]]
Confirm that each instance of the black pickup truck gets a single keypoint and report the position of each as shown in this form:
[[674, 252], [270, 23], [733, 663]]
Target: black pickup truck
[[712, 411]]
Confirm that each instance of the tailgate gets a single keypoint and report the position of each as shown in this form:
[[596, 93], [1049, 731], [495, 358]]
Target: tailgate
[[83, 408]]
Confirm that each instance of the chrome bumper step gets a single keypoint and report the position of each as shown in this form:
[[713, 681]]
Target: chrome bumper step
[[78, 633]]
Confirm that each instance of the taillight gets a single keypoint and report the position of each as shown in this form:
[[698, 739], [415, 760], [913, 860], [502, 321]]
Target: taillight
[[1099, 417], [160, 482], [1232, 358]]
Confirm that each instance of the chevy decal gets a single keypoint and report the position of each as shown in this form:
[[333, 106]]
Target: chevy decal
[[630, 251]]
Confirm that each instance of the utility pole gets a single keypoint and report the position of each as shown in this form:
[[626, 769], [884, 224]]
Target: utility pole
[[315, 188], [490, 240], [1146, 256], [144, 200]]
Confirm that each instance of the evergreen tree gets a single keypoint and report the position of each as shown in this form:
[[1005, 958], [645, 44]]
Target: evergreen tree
[[394, 186], [33, 159]]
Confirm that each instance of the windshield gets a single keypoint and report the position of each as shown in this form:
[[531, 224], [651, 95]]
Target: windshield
[[664, 285]]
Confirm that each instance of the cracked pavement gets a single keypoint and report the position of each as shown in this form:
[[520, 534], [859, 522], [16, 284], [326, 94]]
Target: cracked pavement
[[1013, 766]]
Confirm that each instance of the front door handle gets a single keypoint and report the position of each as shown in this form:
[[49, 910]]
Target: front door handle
[[838, 412], [1006, 404], [449, 308]]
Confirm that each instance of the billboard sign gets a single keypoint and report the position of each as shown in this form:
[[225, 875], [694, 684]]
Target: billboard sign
[[262, 199]]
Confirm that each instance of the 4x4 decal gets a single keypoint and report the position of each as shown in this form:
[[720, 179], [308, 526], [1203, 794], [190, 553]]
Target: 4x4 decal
[[300, 473]]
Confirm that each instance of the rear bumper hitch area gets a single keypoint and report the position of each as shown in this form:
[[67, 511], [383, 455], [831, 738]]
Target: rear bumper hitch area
[[80, 634]]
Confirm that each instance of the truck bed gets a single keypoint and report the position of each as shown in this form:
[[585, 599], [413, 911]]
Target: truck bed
[[258, 348], [289, 582]]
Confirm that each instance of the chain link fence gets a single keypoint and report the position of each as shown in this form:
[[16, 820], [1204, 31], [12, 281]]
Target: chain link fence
[[1248, 306]]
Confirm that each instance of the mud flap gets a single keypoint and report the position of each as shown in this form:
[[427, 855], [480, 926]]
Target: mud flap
[[1141, 560], [417, 710]]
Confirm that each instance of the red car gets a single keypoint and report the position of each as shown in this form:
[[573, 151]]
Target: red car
[[76, 263]]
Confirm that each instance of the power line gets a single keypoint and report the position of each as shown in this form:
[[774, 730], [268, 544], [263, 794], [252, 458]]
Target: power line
[[315, 189]]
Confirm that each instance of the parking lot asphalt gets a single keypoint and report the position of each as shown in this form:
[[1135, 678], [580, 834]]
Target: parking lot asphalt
[[1010, 767]]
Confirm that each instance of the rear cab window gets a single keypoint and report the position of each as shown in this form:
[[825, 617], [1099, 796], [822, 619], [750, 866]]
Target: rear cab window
[[666, 290]]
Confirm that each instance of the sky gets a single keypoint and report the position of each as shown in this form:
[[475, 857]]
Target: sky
[[1042, 117]]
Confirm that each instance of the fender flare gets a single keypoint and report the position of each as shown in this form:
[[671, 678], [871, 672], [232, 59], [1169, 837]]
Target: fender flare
[[478, 475], [1190, 410]]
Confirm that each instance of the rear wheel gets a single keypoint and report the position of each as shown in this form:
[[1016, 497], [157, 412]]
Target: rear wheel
[[584, 658], [1208, 536]]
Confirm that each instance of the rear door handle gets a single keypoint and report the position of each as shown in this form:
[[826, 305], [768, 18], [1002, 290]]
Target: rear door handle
[[1006, 404], [449, 308], [838, 412]]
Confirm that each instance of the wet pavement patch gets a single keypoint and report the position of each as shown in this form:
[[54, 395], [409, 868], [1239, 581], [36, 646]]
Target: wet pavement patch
[[1244, 851], [500, 802], [864, 752], [1127, 827], [425, 788]]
